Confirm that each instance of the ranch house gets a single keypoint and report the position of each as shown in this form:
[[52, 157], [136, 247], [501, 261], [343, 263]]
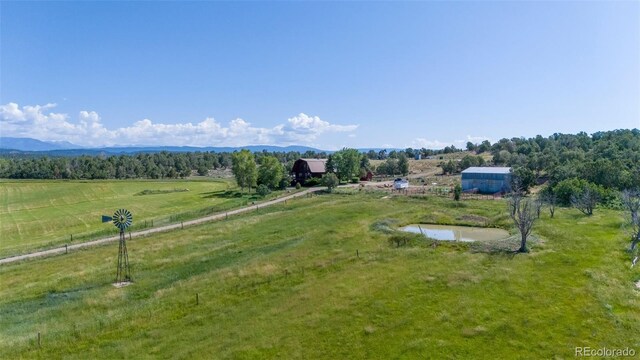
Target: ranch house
[[486, 180], [304, 169]]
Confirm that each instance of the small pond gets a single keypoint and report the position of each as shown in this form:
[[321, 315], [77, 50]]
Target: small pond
[[456, 233]]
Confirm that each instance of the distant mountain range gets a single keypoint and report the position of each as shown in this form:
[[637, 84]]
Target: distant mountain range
[[29, 145]]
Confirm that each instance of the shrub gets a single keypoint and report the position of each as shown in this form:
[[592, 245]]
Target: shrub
[[385, 226], [565, 189], [457, 191], [298, 186], [574, 188], [283, 183], [312, 182], [330, 180], [355, 180], [263, 190], [401, 239]]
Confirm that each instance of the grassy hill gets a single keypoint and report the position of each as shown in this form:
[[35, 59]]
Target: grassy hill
[[315, 279]]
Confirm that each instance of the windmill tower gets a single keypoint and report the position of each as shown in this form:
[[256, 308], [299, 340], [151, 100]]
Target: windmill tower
[[122, 219]]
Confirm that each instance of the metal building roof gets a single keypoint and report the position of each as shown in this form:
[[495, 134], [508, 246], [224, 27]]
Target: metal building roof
[[487, 170]]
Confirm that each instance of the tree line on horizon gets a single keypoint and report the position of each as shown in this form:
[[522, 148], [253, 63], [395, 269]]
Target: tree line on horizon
[[610, 160], [168, 165]]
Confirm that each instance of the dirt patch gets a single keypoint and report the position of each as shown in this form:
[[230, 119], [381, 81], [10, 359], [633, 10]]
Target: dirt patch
[[122, 284], [221, 173]]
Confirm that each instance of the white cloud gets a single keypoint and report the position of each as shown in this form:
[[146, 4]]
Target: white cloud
[[477, 139], [437, 144], [41, 123], [11, 113], [313, 124], [428, 144]]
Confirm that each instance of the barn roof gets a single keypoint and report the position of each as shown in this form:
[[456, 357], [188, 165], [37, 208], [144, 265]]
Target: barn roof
[[487, 170], [316, 165]]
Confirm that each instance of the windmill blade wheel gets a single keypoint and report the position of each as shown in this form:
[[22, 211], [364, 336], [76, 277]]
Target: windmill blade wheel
[[122, 219]]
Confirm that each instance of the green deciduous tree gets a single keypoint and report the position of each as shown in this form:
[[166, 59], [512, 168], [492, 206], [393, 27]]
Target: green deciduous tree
[[469, 160], [346, 163], [244, 169], [270, 172], [403, 165], [522, 179], [565, 189], [484, 146], [471, 146], [388, 167], [448, 168]]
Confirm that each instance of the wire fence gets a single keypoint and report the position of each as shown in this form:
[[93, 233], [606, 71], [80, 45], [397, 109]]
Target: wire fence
[[442, 191]]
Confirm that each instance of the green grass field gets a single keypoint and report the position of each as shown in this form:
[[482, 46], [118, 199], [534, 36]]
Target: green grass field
[[41, 214], [286, 283]]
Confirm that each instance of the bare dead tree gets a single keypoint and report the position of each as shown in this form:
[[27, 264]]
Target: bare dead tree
[[523, 213], [514, 202], [586, 201], [516, 196], [549, 199], [538, 204], [631, 202]]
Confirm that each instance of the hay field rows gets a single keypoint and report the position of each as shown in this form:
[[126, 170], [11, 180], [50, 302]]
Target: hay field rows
[[42, 214]]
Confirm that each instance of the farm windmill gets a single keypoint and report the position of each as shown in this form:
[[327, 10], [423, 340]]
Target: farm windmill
[[122, 219]]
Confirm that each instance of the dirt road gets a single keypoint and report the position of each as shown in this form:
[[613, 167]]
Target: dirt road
[[218, 216]]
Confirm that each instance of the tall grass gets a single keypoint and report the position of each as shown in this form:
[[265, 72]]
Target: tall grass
[[315, 278], [36, 215]]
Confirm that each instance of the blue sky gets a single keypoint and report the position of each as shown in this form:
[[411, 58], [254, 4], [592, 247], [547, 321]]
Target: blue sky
[[325, 74]]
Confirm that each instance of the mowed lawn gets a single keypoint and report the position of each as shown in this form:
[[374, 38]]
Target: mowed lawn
[[316, 279], [41, 214]]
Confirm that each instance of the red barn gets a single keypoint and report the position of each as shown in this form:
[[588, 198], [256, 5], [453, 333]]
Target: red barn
[[304, 169]]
